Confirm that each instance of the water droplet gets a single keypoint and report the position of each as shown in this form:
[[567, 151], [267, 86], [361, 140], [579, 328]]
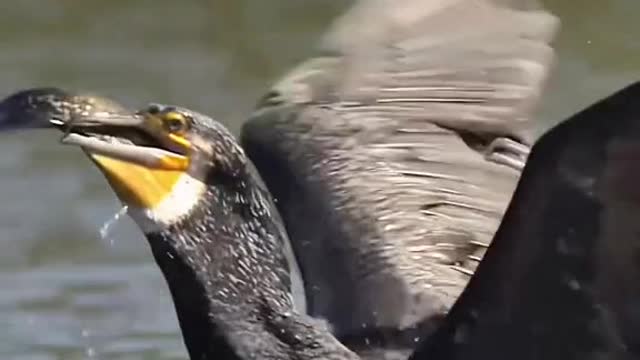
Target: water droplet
[[573, 284], [108, 225]]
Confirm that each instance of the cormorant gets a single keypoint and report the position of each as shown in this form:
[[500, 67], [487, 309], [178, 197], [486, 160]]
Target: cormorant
[[393, 152], [391, 157], [561, 279]]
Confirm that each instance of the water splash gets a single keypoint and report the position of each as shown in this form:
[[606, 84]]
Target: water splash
[[106, 228], [91, 353]]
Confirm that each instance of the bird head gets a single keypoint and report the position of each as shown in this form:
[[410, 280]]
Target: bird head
[[156, 159]]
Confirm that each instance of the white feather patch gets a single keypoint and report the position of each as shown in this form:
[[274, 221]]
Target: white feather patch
[[184, 196]]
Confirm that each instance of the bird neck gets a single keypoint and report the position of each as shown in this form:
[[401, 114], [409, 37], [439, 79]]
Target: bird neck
[[230, 282]]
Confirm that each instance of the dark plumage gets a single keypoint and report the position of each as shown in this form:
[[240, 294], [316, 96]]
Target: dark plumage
[[562, 277], [228, 276]]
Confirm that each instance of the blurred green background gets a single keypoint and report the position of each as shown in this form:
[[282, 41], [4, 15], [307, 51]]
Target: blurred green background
[[65, 293]]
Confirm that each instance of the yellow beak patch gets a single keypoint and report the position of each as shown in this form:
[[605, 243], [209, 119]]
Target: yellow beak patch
[[137, 185]]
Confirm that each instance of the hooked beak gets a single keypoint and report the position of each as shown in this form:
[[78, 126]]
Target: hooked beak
[[139, 167], [139, 158], [124, 137], [31, 109]]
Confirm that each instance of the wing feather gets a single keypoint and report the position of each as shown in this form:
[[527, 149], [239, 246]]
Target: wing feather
[[375, 151], [562, 278]]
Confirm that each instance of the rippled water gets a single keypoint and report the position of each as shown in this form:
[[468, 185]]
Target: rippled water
[[67, 294]]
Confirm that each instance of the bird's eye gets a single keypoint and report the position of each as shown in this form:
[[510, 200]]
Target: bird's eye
[[175, 122]]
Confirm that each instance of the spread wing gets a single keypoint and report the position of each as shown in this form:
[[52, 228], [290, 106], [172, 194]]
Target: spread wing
[[376, 152], [562, 277]]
